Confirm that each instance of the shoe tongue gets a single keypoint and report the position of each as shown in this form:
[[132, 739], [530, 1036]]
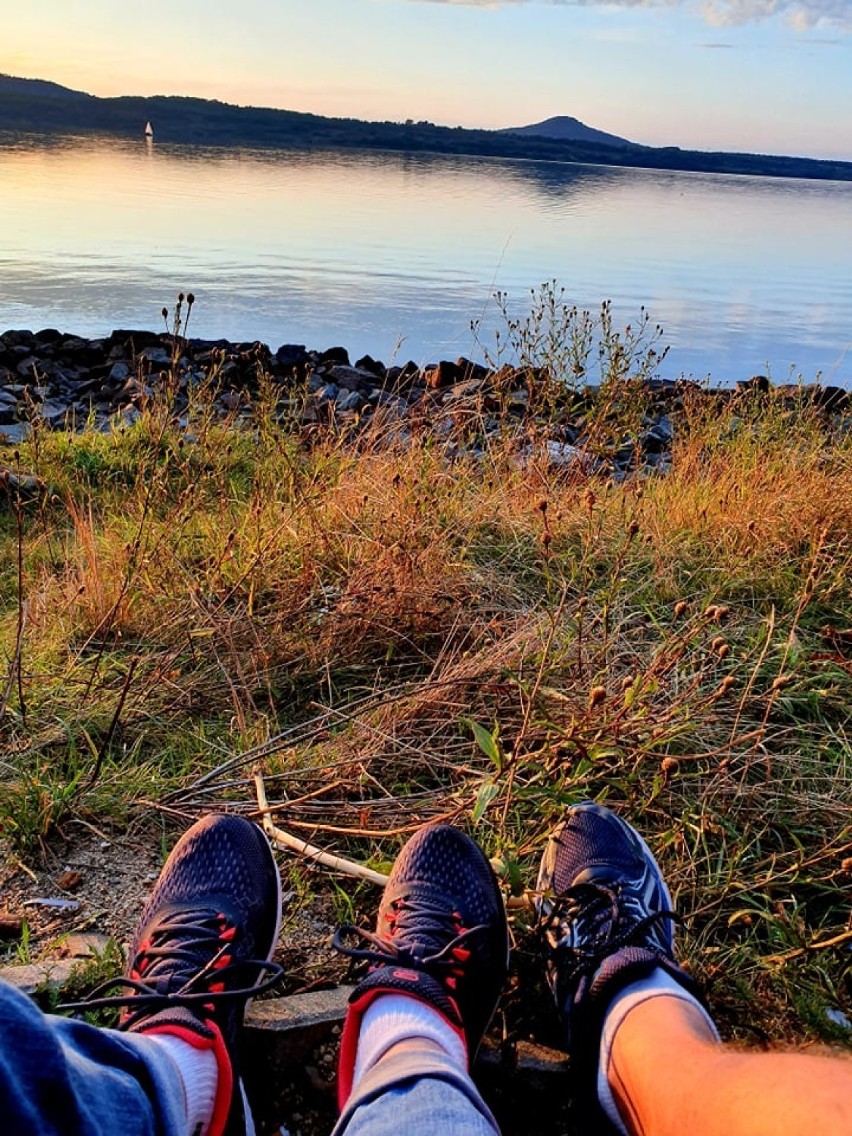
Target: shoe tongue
[[605, 874]]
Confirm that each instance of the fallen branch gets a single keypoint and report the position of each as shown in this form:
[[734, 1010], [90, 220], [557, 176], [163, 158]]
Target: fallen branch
[[310, 851]]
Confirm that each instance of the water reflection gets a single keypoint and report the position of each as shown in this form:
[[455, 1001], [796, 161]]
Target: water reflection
[[368, 249]]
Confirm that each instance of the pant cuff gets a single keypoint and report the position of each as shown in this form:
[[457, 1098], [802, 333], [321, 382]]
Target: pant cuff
[[395, 1070]]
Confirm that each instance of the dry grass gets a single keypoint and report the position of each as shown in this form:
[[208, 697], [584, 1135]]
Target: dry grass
[[397, 635]]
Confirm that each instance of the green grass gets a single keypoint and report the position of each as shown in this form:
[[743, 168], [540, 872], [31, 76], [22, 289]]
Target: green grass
[[399, 636]]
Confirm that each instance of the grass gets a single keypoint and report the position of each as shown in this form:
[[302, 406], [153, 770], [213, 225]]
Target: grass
[[402, 632]]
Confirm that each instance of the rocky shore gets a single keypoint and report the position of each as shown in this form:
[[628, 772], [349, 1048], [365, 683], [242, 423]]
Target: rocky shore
[[54, 380]]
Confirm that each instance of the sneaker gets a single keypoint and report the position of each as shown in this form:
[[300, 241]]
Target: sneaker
[[605, 920], [201, 951], [441, 936]]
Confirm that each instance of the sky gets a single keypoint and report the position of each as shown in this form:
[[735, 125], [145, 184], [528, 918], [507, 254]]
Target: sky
[[767, 76]]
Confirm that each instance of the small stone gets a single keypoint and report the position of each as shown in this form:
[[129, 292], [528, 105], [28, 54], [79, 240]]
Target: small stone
[[70, 880], [10, 925]]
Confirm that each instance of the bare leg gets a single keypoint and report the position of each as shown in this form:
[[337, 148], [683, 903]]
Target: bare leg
[[669, 1076]]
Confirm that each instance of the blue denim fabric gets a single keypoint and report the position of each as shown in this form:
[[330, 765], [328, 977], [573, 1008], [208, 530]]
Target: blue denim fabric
[[416, 1095], [60, 1077]]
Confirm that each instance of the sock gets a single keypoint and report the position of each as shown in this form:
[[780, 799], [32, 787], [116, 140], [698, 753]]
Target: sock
[[392, 1018], [657, 984], [199, 1074]]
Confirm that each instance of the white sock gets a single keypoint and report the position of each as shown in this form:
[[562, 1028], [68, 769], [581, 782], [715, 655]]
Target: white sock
[[199, 1074], [392, 1018], [657, 984]]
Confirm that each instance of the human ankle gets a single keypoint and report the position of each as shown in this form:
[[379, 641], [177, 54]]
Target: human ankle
[[649, 1028]]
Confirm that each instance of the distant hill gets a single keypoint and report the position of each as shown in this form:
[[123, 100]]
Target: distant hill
[[34, 106], [566, 129]]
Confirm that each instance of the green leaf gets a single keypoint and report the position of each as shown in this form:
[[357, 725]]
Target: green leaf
[[487, 792], [487, 742]]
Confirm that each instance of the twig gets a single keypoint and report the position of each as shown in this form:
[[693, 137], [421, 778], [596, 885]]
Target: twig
[[303, 848]]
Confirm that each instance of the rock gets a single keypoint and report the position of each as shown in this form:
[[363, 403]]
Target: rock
[[660, 436], [469, 370], [119, 372], [349, 401], [69, 880], [832, 400], [373, 366], [29, 979], [156, 356], [21, 338], [758, 384], [441, 374], [15, 433], [350, 378], [78, 946], [292, 357], [467, 390], [10, 925], [54, 412], [335, 355]]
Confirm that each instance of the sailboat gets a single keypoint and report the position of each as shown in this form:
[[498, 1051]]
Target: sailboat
[[149, 130]]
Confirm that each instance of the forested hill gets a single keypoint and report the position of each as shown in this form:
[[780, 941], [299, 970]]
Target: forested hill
[[36, 106]]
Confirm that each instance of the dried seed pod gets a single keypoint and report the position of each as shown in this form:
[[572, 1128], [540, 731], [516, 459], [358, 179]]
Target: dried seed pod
[[680, 608], [597, 695]]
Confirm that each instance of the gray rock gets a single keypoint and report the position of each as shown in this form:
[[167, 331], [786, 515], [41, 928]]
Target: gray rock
[[469, 389], [328, 392], [157, 355], [662, 431], [349, 400], [350, 378], [54, 412], [15, 433], [119, 372]]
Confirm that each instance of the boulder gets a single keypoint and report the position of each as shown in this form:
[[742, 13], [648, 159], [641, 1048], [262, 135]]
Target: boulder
[[335, 355], [442, 374]]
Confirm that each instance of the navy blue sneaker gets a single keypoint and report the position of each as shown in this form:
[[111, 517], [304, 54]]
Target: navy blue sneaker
[[202, 949], [441, 936], [605, 918]]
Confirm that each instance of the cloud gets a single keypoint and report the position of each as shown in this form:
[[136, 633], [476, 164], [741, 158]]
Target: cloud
[[803, 15]]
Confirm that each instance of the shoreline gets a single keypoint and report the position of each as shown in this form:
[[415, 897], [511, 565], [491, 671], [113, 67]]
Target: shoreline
[[60, 381]]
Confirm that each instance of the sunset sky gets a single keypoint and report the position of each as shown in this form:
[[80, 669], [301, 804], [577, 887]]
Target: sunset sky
[[761, 75]]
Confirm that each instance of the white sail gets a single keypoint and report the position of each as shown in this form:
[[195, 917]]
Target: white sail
[[149, 130]]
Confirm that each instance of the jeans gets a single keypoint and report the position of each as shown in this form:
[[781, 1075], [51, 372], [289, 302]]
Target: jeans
[[61, 1077]]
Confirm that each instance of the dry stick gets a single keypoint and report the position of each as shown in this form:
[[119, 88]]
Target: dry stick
[[15, 664], [306, 731], [303, 848], [113, 726], [22, 609], [338, 863]]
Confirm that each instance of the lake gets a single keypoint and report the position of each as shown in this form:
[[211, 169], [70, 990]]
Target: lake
[[394, 255]]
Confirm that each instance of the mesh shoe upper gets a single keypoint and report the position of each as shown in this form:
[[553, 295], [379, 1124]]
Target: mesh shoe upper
[[441, 935], [605, 919], [202, 947]]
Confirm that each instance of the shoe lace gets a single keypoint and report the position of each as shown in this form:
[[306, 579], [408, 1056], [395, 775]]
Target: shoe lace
[[173, 950], [603, 918], [427, 936]]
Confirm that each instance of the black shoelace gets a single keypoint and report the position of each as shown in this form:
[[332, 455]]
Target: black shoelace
[[420, 929], [180, 938], [605, 923]]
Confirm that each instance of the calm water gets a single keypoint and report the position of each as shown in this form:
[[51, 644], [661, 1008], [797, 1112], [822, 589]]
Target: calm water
[[394, 255]]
